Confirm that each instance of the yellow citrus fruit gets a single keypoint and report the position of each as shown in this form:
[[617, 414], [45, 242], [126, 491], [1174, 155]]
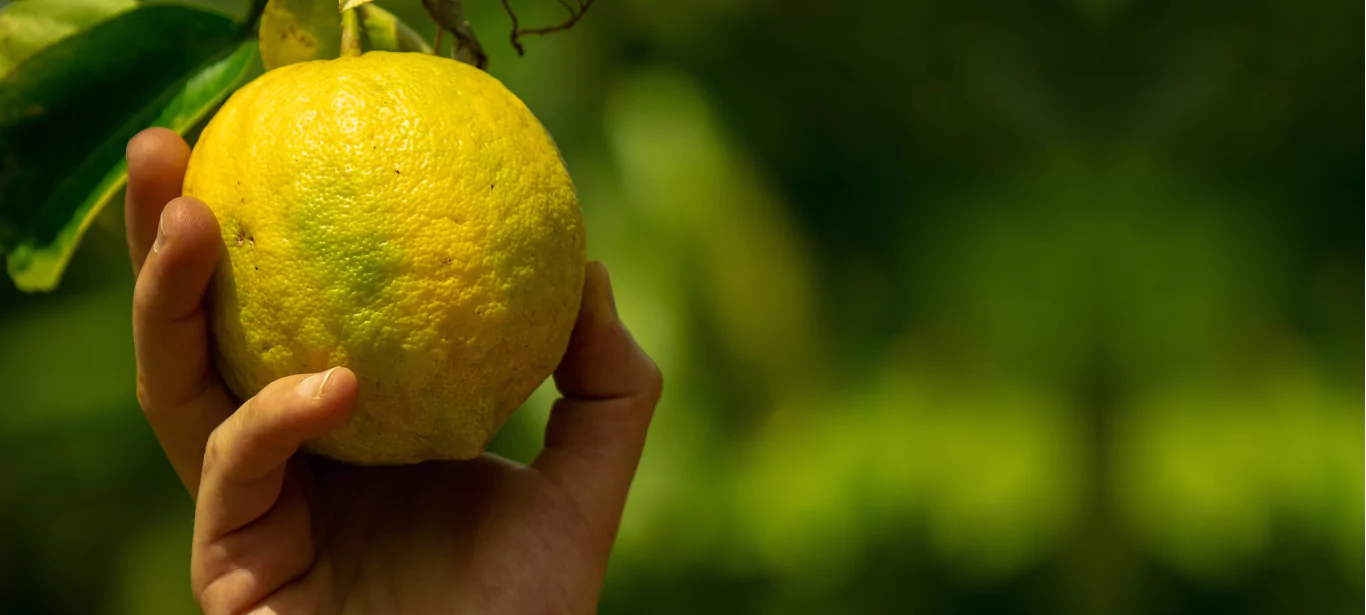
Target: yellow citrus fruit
[[403, 215]]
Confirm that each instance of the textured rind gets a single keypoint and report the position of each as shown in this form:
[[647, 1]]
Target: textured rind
[[406, 216]]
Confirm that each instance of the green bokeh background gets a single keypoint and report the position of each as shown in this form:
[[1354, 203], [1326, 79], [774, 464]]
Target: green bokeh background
[[963, 307]]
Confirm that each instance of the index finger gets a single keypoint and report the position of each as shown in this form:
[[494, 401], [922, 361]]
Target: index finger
[[597, 431], [157, 159]]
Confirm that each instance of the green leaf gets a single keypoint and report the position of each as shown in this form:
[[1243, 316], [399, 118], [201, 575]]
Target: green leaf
[[210, 86], [40, 267], [67, 113], [28, 26], [295, 31]]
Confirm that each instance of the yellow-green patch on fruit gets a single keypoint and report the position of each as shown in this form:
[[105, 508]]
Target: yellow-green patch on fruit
[[406, 216]]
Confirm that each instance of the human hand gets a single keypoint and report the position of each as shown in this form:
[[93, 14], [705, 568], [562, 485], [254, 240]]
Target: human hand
[[279, 531]]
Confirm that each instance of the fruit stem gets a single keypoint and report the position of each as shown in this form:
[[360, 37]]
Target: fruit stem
[[350, 38]]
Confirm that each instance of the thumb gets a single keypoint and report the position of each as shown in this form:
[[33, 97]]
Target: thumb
[[244, 513]]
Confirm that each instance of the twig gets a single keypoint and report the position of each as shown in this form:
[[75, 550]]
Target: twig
[[254, 16], [517, 31], [350, 34]]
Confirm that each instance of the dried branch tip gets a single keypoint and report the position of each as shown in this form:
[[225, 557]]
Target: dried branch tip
[[576, 10]]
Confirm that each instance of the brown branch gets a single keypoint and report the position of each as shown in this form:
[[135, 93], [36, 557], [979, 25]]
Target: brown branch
[[574, 15]]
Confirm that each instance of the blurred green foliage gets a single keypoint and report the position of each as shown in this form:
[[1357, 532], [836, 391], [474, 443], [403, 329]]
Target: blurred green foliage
[[962, 307]]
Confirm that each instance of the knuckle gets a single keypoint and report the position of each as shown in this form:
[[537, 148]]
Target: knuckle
[[199, 581], [142, 294], [146, 299], [653, 382], [212, 451], [211, 594], [280, 387], [143, 396], [276, 394], [215, 449]]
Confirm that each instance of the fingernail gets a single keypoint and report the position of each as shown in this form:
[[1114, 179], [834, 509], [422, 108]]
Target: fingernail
[[161, 232], [312, 386]]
